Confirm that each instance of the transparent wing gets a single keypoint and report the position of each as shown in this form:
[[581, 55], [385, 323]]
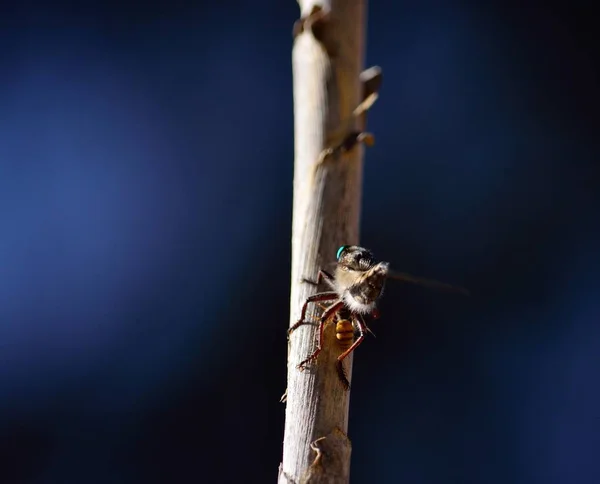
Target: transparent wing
[[440, 286]]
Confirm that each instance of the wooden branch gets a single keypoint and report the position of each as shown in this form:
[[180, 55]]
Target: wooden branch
[[330, 103]]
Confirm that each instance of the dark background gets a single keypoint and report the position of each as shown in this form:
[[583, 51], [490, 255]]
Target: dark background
[[145, 206]]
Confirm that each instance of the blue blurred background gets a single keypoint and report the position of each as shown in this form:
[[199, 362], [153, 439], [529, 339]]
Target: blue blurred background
[[146, 160]]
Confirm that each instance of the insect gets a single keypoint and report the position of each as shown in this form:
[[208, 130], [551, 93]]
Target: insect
[[356, 287], [346, 332]]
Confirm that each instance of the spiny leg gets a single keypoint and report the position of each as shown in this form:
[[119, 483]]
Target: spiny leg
[[340, 368], [302, 323], [375, 314], [322, 296], [315, 319], [302, 365], [320, 276], [362, 327], [369, 330], [328, 313]]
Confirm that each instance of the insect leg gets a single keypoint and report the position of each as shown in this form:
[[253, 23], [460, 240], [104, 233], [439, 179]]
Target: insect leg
[[320, 276], [375, 314], [328, 313], [368, 330], [302, 323], [322, 296], [324, 275], [362, 328], [322, 307]]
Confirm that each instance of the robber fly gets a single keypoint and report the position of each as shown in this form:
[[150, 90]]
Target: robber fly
[[345, 334], [356, 287]]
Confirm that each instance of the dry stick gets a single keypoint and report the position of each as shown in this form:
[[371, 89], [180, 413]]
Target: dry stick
[[330, 103]]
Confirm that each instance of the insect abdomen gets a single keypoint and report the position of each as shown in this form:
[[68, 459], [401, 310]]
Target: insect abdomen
[[344, 332]]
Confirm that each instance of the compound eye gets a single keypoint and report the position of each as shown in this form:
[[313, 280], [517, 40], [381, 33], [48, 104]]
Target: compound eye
[[340, 251]]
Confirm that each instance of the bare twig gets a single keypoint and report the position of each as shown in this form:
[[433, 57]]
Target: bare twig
[[330, 103]]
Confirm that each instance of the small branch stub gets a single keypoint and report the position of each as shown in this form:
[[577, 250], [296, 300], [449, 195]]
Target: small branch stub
[[323, 467]]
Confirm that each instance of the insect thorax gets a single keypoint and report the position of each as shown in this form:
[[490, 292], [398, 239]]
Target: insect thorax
[[362, 296]]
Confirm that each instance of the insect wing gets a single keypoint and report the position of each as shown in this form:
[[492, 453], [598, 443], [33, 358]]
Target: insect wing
[[420, 281]]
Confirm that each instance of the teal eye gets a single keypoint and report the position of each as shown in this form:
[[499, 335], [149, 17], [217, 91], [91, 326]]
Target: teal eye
[[339, 252]]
